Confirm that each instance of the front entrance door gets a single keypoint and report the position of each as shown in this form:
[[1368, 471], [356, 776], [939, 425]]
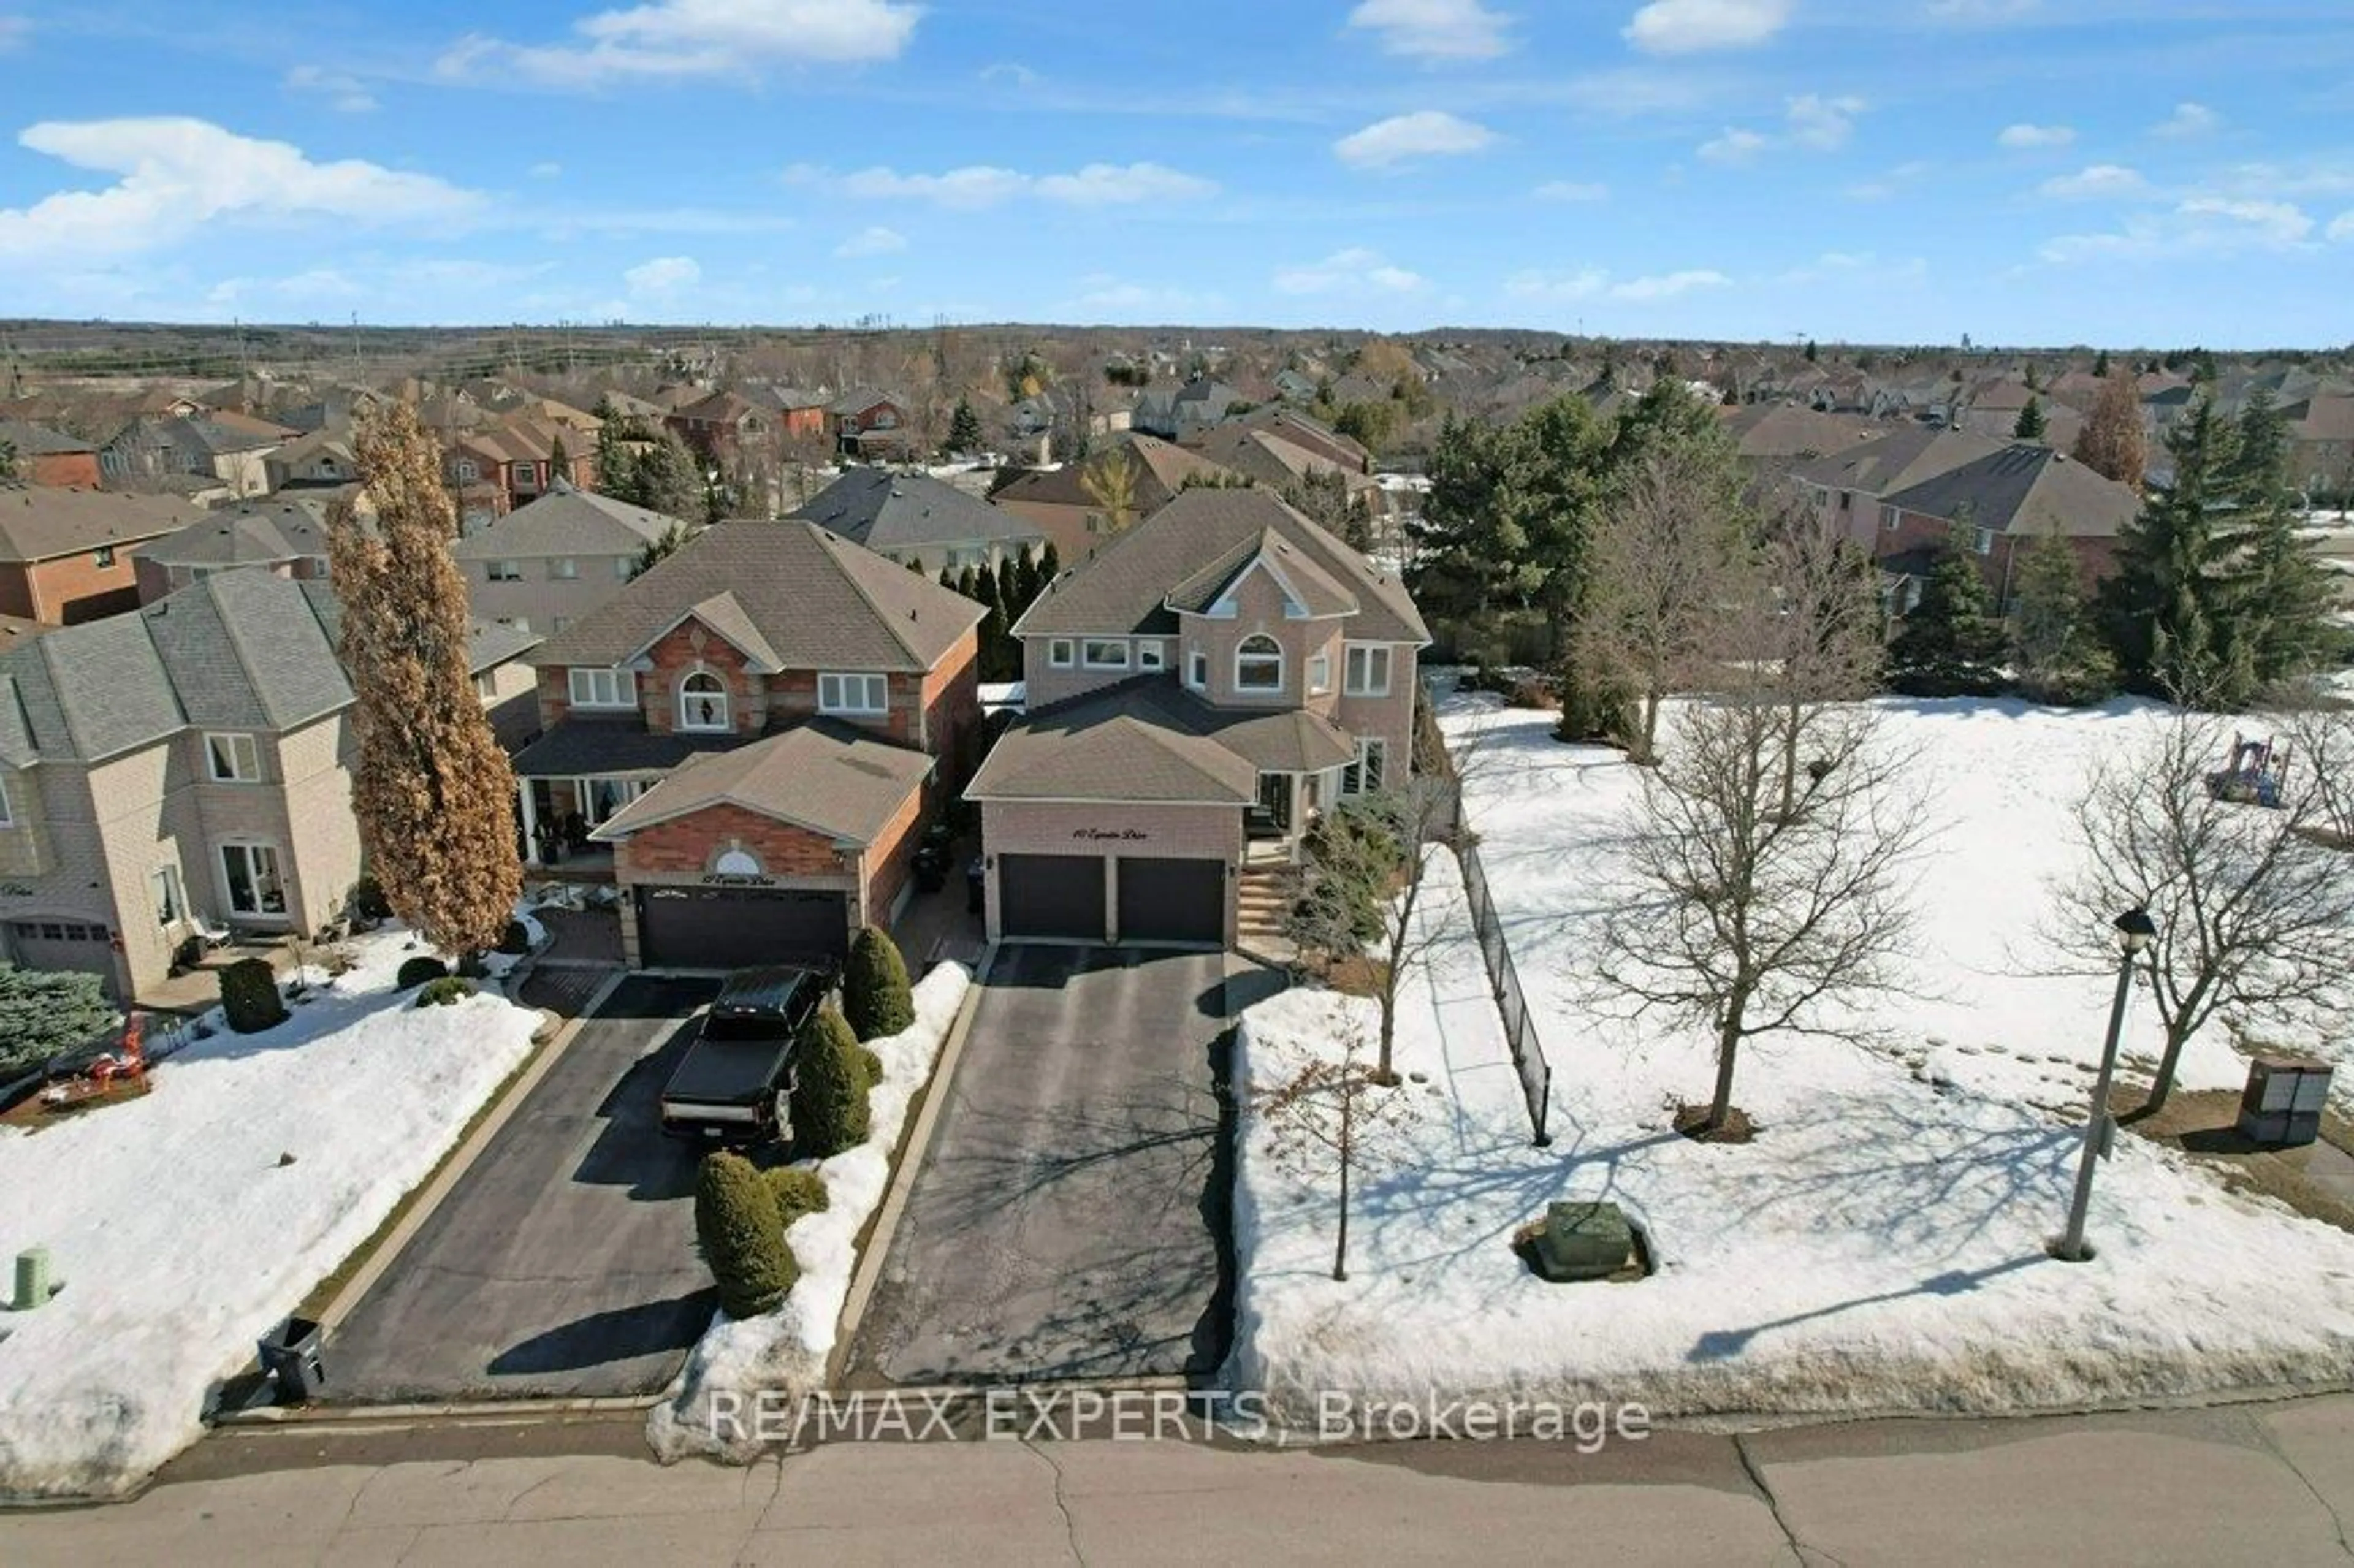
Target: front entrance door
[[1274, 798]]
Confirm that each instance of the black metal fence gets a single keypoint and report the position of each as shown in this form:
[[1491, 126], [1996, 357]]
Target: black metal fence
[[1519, 1025]]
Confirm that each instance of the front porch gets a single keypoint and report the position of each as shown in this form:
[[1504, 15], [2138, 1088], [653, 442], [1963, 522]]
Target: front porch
[[557, 816], [1289, 804]]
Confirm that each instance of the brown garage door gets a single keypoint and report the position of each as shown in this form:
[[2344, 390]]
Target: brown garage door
[[1057, 897], [63, 944], [737, 927], [1174, 901]]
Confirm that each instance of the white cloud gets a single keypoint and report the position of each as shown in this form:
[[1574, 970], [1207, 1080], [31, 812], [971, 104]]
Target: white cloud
[[1822, 124], [14, 31], [2269, 223], [2201, 226], [1403, 138], [979, 185], [2188, 119], [1688, 26], [2023, 137], [1112, 295], [1881, 187], [1735, 147], [663, 275], [1435, 29], [2100, 182], [2343, 229], [876, 241], [179, 175], [347, 93], [672, 39], [546, 170], [1571, 190], [1355, 272], [1595, 283]]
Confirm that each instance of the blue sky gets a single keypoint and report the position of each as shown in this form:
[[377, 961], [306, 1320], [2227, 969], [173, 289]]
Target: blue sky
[[2127, 172]]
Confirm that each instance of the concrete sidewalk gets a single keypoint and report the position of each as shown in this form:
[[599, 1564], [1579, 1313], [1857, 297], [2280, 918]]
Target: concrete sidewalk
[[2274, 1483]]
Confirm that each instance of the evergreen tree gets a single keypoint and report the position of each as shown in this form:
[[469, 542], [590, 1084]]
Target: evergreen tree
[[830, 1112], [2101, 366], [2289, 598], [659, 548], [44, 1012], [2112, 443], [964, 428], [9, 459], [2055, 652], [1008, 588], [2031, 424], [876, 999], [1950, 643], [1050, 566], [667, 480], [432, 791], [1813, 354], [618, 470], [741, 1234], [949, 579], [2176, 607], [1026, 577], [968, 583], [559, 462]]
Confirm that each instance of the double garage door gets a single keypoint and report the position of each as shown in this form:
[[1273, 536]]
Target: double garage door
[[739, 928], [1060, 897], [63, 944]]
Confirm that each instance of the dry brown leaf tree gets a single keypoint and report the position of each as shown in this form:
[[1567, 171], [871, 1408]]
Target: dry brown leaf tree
[[2256, 917], [434, 791], [2113, 442]]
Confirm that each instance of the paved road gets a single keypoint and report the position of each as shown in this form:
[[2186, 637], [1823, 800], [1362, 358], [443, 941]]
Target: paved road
[[2257, 1484], [1068, 1220], [563, 1261]]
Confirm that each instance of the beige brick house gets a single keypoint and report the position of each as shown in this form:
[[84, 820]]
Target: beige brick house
[[182, 768], [1198, 693], [557, 558]]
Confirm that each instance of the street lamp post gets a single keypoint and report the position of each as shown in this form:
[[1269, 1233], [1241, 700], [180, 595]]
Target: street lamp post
[[2135, 929]]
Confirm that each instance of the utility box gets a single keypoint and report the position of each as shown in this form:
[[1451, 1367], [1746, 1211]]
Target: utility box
[[1582, 1241], [36, 1282], [2283, 1105]]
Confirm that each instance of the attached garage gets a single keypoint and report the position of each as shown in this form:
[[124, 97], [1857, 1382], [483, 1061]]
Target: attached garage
[[1168, 900], [64, 944], [1058, 898], [737, 927]]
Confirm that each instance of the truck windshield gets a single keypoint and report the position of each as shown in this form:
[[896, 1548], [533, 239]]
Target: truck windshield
[[745, 1026]]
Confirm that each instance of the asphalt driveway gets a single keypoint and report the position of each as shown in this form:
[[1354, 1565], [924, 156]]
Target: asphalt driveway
[[1070, 1217], [563, 1261]]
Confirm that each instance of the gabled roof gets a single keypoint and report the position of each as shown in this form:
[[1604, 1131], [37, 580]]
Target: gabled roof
[[1304, 583], [1769, 430], [814, 599], [1165, 466], [2026, 490], [829, 778], [567, 522], [858, 399], [1893, 462], [1126, 589], [38, 441], [257, 533], [1111, 747], [885, 510], [41, 523]]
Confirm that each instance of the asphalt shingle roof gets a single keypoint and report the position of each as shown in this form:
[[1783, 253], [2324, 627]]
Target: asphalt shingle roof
[[816, 601], [1149, 739], [40, 523], [2025, 490], [591, 747], [567, 522], [1899, 459], [884, 510], [829, 778], [257, 534]]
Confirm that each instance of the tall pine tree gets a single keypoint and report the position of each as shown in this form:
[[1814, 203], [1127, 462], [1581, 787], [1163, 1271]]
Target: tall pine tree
[[2177, 608], [2058, 656], [1950, 644], [434, 791], [2289, 598], [2031, 423]]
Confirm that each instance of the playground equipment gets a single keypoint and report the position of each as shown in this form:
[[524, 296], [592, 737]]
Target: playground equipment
[[2256, 775]]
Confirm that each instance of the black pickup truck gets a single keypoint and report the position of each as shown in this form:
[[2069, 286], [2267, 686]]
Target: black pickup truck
[[735, 1083]]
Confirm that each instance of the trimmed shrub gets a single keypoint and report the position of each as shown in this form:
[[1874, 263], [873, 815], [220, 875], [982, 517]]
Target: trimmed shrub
[[743, 1244], [871, 1064], [875, 997], [797, 1191], [420, 969], [830, 1092], [249, 993], [516, 941], [44, 1012], [444, 991]]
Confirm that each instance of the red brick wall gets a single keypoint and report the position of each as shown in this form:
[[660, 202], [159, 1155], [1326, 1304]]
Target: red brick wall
[[951, 698], [72, 588], [555, 697], [676, 655], [1999, 568], [686, 846], [889, 858], [77, 469]]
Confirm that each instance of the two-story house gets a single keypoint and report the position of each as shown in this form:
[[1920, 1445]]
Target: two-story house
[[1198, 693], [44, 456], [550, 563], [872, 426], [183, 769], [67, 556], [1074, 505], [755, 729], [921, 522], [228, 448], [287, 537]]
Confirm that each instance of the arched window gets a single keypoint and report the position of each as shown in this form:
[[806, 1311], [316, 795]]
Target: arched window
[[703, 702], [1258, 665]]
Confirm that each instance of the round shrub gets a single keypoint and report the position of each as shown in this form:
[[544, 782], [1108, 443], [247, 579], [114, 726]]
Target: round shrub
[[516, 941], [875, 997], [871, 1064], [797, 1191], [249, 998], [444, 991], [829, 1102], [369, 901], [418, 970], [739, 1229]]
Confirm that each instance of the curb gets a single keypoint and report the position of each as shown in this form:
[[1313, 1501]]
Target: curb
[[312, 1417], [903, 1178], [459, 1161]]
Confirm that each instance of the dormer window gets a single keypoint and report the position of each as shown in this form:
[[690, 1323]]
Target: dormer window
[[703, 702], [1258, 664]]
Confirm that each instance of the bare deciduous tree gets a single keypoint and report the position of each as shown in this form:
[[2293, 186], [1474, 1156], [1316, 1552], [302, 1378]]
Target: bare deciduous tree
[[1809, 630], [2254, 915], [1329, 1115], [1753, 913]]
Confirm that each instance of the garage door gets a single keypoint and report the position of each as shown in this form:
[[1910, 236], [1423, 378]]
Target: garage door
[[1174, 901], [1051, 896], [736, 928], [63, 944]]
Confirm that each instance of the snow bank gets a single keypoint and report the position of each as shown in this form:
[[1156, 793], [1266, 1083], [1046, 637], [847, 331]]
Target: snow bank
[[1880, 1247], [786, 1351], [183, 1233]]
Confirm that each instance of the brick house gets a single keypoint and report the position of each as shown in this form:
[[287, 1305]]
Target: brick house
[[48, 456], [556, 560], [1066, 501], [921, 522], [1999, 505], [67, 556], [1198, 693], [872, 426], [494, 467], [749, 636], [286, 537], [186, 766]]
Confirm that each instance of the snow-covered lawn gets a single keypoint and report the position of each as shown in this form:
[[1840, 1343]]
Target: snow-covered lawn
[[1879, 1247], [783, 1354], [183, 1231]]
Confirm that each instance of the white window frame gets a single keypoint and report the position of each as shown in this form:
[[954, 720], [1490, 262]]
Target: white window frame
[[244, 758], [564, 569], [503, 571], [1319, 673], [1197, 670], [468, 471], [1151, 656], [1983, 542], [1098, 652], [526, 475], [7, 812], [621, 688], [835, 694], [1357, 668], [1061, 652], [727, 718], [1352, 776], [1282, 673], [486, 685], [168, 895], [250, 849], [1890, 519]]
